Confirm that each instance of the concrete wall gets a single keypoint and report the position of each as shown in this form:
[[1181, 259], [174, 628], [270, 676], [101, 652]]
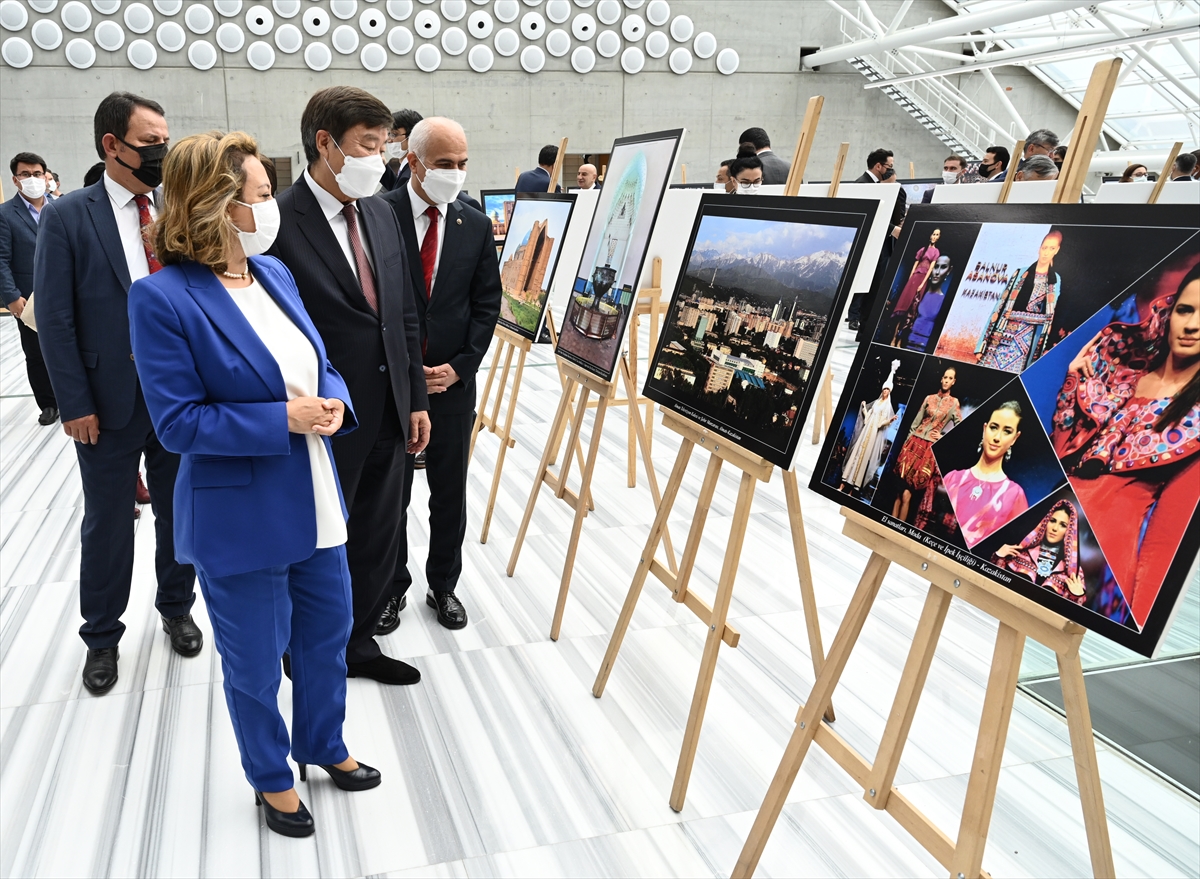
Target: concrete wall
[[508, 114]]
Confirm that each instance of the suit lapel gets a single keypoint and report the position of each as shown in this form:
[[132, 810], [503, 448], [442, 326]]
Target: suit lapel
[[316, 229], [105, 222], [408, 229], [19, 206], [215, 301], [299, 316]]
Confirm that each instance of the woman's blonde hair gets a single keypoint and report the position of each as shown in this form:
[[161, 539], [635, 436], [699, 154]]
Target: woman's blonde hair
[[202, 176]]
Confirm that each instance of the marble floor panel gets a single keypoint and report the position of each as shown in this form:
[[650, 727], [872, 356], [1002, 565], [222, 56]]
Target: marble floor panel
[[501, 762]]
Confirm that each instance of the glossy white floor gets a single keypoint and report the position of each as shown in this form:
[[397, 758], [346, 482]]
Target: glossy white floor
[[500, 763]]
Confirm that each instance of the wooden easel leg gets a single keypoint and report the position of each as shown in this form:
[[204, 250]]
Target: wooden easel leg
[[809, 715], [712, 643], [912, 681], [483, 400], [808, 597], [559, 416], [643, 568], [823, 411], [989, 751], [585, 481], [630, 366], [1087, 770], [572, 441], [644, 443], [505, 442], [691, 547]]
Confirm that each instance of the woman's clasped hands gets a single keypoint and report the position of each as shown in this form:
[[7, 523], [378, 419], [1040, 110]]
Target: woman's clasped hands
[[315, 415]]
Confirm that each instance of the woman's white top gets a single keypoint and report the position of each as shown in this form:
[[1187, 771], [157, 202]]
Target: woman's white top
[[297, 360]]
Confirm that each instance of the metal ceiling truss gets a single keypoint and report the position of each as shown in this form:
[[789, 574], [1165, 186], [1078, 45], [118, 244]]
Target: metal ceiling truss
[[1157, 39]]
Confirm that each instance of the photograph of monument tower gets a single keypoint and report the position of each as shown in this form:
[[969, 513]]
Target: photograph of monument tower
[[535, 235]]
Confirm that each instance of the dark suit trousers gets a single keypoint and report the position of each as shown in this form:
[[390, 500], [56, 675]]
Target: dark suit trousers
[[446, 470], [109, 473], [35, 367], [371, 478]]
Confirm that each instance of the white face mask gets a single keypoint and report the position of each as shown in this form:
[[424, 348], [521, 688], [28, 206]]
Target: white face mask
[[748, 188], [359, 177], [443, 185], [266, 227], [33, 187], [396, 150], [52, 185], [949, 176]]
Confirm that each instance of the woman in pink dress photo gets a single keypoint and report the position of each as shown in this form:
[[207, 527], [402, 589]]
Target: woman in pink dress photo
[[983, 496], [909, 297]]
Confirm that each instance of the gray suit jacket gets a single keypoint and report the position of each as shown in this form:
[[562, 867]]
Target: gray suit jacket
[[775, 169], [18, 239]]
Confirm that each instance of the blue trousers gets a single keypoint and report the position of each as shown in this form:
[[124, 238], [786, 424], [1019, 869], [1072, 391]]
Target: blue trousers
[[256, 617]]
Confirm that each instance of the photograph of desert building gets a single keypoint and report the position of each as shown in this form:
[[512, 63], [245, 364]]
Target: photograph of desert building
[[529, 257]]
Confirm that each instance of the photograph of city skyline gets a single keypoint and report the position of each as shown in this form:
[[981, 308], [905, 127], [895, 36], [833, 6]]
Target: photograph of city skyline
[[742, 342]]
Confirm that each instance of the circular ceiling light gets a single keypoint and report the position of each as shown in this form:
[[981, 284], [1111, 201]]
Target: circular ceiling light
[[171, 37], [81, 53], [506, 41], [480, 58], [372, 23], [199, 18], [227, 8], [317, 56], [142, 54], [705, 45], [43, 6], [172, 7], [230, 37], [479, 25], [583, 59], [428, 57], [259, 21], [681, 29], [533, 59], [139, 18], [343, 9], [608, 11], [507, 10], [75, 16], [558, 11], [657, 44], [106, 7], [681, 61], [454, 10], [288, 39], [109, 36], [261, 55], [454, 41], [18, 53], [46, 34], [202, 55], [658, 12], [583, 27], [727, 61], [427, 25], [13, 17], [608, 43], [373, 57], [558, 42], [633, 28], [286, 8], [315, 21], [345, 39], [632, 60], [533, 26], [400, 10], [400, 40]]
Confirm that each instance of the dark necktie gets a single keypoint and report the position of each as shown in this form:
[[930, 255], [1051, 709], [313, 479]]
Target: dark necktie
[[366, 280], [429, 249], [144, 222]]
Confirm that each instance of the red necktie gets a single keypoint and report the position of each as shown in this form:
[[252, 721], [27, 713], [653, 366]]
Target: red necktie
[[429, 249], [144, 222], [366, 280]]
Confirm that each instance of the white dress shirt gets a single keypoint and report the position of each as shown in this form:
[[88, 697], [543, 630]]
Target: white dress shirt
[[419, 207], [332, 209], [126, 212], [297, 360]]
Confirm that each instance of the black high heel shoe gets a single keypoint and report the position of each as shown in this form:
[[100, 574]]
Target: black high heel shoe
[[363, 778], [295, 824]]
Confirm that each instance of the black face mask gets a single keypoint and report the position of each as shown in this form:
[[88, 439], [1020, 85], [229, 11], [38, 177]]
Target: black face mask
[[150, 172]]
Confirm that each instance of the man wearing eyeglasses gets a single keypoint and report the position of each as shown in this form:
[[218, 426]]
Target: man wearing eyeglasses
[[18, 239]]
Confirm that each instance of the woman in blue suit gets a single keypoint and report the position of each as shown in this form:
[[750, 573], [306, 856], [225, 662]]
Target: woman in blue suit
[[237, 382]]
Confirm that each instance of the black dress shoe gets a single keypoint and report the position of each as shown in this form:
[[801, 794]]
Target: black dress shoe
[[49, 416], [294, 824], [186, 637], [100, 670], [419, 461], [385, 670], [363, 778], [389, 620], [287, 666], [450, 610]]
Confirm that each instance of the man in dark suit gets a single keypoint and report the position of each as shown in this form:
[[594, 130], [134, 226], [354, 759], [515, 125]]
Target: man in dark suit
[[880, 169], [18, 239], [775, 169], [452, 258], [538, 180], [92, 244], [345, 252], [398, 170]]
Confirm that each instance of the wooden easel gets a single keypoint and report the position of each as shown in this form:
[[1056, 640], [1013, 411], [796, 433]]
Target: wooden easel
[[1019, 618], [823, 410], [586, 384], [648, 303], [677, 577], [1166, 172]]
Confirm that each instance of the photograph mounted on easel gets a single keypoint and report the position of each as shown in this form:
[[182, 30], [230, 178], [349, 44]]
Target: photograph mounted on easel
[[534, 241], [1030, 405], [605, 285], [747, 332]]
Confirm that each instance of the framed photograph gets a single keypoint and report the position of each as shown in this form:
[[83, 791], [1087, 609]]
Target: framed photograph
[[1028, 404], [532, 245], [605, 285], [752, 315], [498, 205]]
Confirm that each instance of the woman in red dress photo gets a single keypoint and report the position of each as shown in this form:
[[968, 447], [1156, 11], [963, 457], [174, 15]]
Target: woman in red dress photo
[[915, 465]]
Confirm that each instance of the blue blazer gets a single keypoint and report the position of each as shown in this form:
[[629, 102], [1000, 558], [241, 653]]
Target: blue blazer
[[81, 279], [244, 493], [18, 240]]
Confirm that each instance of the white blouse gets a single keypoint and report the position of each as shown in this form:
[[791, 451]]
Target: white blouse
[[297, 360]]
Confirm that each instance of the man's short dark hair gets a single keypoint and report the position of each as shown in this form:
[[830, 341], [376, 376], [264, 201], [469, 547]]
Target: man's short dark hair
[[26, 159], [756, 136], [746, 150], [743, 164], [955, 157], [878, 157], [93, 174], [1185, 163], [1000, 154], [113, 114], [1042, 137], [728, 163], [406, 119], [547, 154], [337, 109]]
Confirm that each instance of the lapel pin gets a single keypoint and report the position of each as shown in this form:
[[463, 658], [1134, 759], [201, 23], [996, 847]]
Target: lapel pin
[[459, 221]]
